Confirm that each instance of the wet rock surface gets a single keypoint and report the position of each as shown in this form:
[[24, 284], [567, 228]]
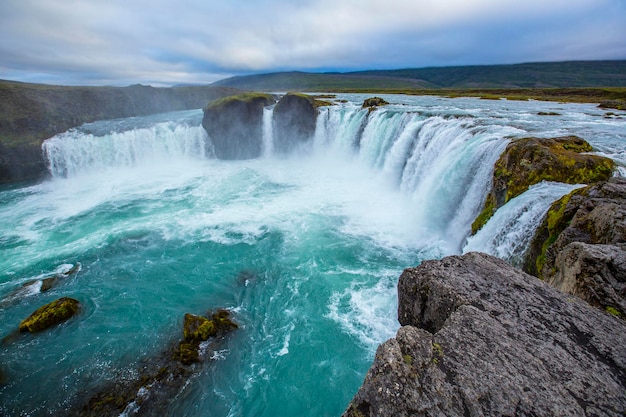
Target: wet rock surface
[[373, 102], [479, 337], [50, 315], [295, 117]]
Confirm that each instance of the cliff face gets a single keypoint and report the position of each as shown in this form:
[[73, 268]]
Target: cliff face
[[31, 113], [580, 247], [479, 337], [235, 125]]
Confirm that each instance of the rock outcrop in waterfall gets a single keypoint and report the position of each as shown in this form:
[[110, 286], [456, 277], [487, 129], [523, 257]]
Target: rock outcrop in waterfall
[[295, 116], [529, 161], [479, 337], [235, 125]]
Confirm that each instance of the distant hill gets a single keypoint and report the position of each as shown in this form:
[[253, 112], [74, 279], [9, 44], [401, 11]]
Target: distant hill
[[570, 74]]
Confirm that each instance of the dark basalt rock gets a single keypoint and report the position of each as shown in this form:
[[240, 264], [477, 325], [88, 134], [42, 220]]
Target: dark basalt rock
[[373, 102], [161, 378], [580, 245], [295, 117], [50, 315], [528, 161], [479, 337], [235, 125]]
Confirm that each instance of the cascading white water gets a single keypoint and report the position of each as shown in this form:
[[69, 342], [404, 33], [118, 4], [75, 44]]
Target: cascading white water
[[76, 151], [439, 162], [509, 232], [268, 131], [443, 164]]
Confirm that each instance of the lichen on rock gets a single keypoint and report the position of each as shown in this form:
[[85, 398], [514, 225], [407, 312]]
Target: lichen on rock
[[528, 161]]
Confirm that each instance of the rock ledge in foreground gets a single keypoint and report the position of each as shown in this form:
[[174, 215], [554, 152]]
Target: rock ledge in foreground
[[482, 338]]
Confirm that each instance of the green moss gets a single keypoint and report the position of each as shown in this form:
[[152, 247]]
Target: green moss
[[528, 161], [485, 215], [555, 222], [50, 314], [437, 349], [408, 359], [613, 311], [261, 98], [188, 353]]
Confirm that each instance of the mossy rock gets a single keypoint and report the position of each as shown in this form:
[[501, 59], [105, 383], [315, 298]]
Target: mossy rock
[[374, 102], [528, 161], [188, 353], [197, 329], [50, 314]]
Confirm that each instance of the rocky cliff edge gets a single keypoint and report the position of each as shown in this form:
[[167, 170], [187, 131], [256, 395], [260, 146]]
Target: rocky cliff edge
[[481, 338]]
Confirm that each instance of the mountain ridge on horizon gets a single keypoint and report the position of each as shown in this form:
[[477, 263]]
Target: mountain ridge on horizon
[[563, 74]]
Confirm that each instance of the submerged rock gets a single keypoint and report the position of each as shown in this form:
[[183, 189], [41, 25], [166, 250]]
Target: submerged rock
[[580, 245], [295, 117], [50, 314], [479, 337], [163, 377], [37, 286], [528, 161], [235, 125]]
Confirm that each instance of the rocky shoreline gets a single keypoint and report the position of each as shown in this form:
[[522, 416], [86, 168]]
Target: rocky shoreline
[[480, 337]]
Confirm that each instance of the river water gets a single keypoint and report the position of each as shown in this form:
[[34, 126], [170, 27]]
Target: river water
[[305, 250]]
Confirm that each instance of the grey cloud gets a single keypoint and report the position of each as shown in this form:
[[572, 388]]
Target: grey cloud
[[123, 42]]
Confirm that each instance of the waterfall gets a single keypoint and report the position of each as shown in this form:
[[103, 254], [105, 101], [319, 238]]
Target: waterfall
[[268, 131], [444, 164], [77, 151], [509, 232]]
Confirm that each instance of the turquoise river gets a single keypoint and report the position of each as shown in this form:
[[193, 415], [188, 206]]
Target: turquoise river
[[305, 250]]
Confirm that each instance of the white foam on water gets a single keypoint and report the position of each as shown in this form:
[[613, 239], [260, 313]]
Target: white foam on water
[[367, 312]]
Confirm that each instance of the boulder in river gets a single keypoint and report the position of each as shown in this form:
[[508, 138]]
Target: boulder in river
[[50, 314]]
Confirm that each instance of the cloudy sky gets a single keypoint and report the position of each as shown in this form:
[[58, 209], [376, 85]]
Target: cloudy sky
[[160, 42]]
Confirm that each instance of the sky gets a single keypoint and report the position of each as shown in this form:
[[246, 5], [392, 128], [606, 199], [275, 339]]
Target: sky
[[159, 42]]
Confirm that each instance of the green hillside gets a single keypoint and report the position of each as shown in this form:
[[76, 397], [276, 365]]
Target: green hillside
[[571, 74]]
